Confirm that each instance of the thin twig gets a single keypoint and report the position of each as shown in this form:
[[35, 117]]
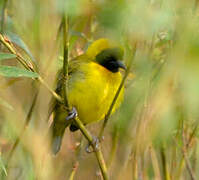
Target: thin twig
[[184, 152], [29, 115], [107, 116], [78, 151], [28, 66], [3, 15], [75, 166], [186, 145], [98, 152], [164, 164], [65, 27], [191, 136], [115, 138], [155, 162]]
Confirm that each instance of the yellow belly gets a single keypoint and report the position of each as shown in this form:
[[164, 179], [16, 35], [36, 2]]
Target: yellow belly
[[92, 91]]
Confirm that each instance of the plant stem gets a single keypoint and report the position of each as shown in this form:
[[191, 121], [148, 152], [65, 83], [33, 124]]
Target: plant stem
[[29, 115], [166, 175], [65, 62], [115, 138], [184, 152], [98, 152], [78, 151], [107, 116], [3, 15], [74, 170]]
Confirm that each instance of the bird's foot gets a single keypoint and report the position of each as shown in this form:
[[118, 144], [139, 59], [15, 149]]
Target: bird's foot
[[94, 146], [72, 114]]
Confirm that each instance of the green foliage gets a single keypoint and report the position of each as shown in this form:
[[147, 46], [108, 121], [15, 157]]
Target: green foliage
[[11, 71], [6, 56]]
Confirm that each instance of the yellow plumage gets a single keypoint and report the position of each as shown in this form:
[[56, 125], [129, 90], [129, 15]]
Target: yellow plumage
[[93, 93], [93, 81]]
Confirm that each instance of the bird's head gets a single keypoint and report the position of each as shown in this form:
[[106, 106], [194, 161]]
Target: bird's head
[[107, 54]]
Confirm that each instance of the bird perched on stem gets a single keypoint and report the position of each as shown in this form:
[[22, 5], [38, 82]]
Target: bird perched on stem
[[94, 78]]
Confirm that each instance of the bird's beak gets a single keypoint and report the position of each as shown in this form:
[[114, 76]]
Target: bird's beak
[[121, 64]]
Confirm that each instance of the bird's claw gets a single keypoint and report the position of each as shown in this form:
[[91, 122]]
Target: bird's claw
[[95, 145], [72, 114]]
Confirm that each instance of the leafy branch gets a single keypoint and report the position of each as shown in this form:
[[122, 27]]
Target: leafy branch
[[29, 66]]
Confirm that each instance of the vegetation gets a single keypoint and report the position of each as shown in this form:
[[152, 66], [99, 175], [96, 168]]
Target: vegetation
[[154, 134]]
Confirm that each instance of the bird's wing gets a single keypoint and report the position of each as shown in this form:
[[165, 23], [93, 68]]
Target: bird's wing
[[74, 65]]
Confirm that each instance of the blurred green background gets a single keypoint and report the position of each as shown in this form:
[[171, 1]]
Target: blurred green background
[[154, 134]]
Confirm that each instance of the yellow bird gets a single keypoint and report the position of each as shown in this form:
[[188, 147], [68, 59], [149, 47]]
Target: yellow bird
[[94, 78]]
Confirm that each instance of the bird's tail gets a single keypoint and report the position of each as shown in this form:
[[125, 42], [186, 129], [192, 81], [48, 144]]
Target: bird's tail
[[58, 128], [59, 121], [57, 136]]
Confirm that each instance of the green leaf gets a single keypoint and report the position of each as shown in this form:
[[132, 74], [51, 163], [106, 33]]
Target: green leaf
[[11, 71], [2, 166], [5, 104], [18, 41], [6, 56]]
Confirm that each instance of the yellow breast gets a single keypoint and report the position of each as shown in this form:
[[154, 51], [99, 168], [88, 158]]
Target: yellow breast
[[92, 91]]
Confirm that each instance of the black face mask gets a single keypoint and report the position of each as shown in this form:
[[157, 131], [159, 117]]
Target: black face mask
[[110, 59]]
